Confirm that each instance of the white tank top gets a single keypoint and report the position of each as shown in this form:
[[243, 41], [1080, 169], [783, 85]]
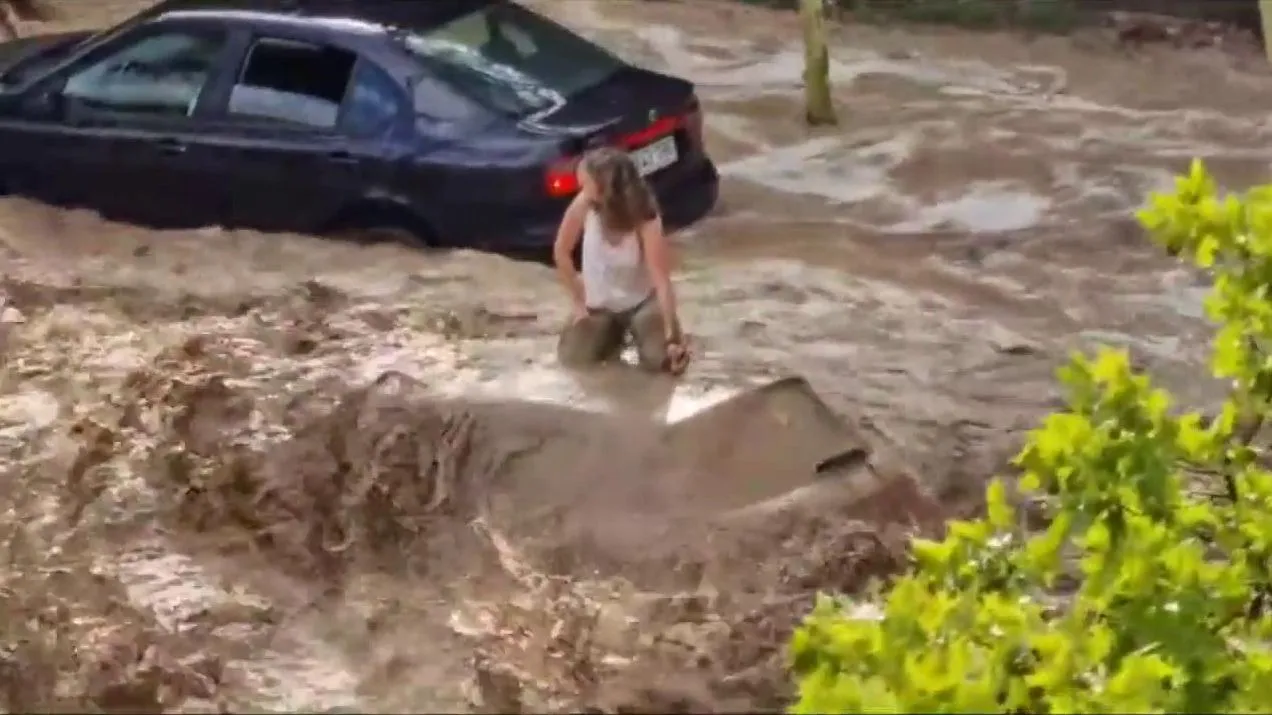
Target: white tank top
[[614, 274]]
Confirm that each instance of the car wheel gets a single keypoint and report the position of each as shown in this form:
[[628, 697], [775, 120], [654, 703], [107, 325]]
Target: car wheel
[[374, 224], [383, 234]]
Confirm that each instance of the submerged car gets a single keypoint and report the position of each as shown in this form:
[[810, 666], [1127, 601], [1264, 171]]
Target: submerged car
[[455, 123]]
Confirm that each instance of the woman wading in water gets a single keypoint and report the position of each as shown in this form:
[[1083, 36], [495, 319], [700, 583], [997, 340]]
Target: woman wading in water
[[624, 286]]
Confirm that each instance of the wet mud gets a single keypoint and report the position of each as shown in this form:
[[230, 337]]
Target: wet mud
[[285, 473]]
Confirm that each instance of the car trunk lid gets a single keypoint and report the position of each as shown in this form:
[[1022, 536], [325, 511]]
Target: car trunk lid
[[621, 110], [653, 116]]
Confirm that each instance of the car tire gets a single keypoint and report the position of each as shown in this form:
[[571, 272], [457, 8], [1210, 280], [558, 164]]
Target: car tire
[[371, 224], [382, 234]]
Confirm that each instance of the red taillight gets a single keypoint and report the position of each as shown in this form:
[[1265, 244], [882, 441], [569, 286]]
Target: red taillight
[[562, 178], [657, 129]]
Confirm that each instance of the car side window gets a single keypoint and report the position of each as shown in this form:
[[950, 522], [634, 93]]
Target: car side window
[[160, 74], [373, 102], [291, 82]]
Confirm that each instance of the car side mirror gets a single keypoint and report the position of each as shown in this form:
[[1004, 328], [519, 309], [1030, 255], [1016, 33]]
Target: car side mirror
[[45, 103]]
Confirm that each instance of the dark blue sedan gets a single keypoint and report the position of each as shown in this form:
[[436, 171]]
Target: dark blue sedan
[[451, 122]]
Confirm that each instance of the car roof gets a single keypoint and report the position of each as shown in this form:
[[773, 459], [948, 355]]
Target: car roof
[[349, 15]]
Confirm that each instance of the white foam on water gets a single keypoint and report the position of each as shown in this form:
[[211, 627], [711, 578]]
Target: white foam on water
[[29, 410], [986, 206], [756, 71], [845, 169]]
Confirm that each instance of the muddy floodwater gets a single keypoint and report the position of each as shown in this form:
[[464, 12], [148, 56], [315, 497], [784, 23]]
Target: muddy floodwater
[[925, 266]]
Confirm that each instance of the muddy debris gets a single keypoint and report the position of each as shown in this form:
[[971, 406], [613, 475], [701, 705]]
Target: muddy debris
[[1136, 29], [585, 645], [364, 480], [561, 615], [71, 640], [593, 644], [77, 661]]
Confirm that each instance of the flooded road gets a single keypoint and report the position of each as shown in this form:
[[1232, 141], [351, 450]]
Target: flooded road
[[970, 220], [926, 266]]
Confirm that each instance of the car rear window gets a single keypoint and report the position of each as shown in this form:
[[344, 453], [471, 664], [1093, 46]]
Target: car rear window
[[510, 59]]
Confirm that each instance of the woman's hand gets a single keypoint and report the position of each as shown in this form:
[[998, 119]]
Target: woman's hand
[[678, 356]]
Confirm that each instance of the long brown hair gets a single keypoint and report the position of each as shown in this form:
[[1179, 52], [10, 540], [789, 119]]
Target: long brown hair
[[625, 201]]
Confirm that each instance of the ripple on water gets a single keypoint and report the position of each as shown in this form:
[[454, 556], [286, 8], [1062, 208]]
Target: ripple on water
[[846, 170], [1077, 150], [752, 69], [1188, 301]]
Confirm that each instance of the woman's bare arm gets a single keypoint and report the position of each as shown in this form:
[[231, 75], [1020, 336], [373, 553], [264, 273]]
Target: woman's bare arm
[[567, 239], [658, 261]]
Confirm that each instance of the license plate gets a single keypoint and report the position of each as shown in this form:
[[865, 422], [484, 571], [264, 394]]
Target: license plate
[[659, 155]]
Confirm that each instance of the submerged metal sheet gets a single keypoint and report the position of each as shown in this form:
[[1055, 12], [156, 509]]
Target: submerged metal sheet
[[764, 442]]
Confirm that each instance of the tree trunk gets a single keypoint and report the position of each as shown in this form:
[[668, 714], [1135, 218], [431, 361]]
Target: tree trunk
[[1265, 17], [12, 11], [8, 23], [819, 107]]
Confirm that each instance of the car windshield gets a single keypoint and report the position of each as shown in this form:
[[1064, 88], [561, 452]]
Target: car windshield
[[510, 59], [41, 62]]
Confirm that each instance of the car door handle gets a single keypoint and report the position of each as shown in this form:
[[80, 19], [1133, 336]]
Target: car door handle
[[341, 157], [171, 146]]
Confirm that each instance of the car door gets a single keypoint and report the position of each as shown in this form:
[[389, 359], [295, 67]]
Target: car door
[[301, 132], [108, 131]]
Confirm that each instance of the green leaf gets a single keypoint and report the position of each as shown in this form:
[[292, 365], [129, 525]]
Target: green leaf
[[932, 556], [1000, 512], [1207, 251]]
